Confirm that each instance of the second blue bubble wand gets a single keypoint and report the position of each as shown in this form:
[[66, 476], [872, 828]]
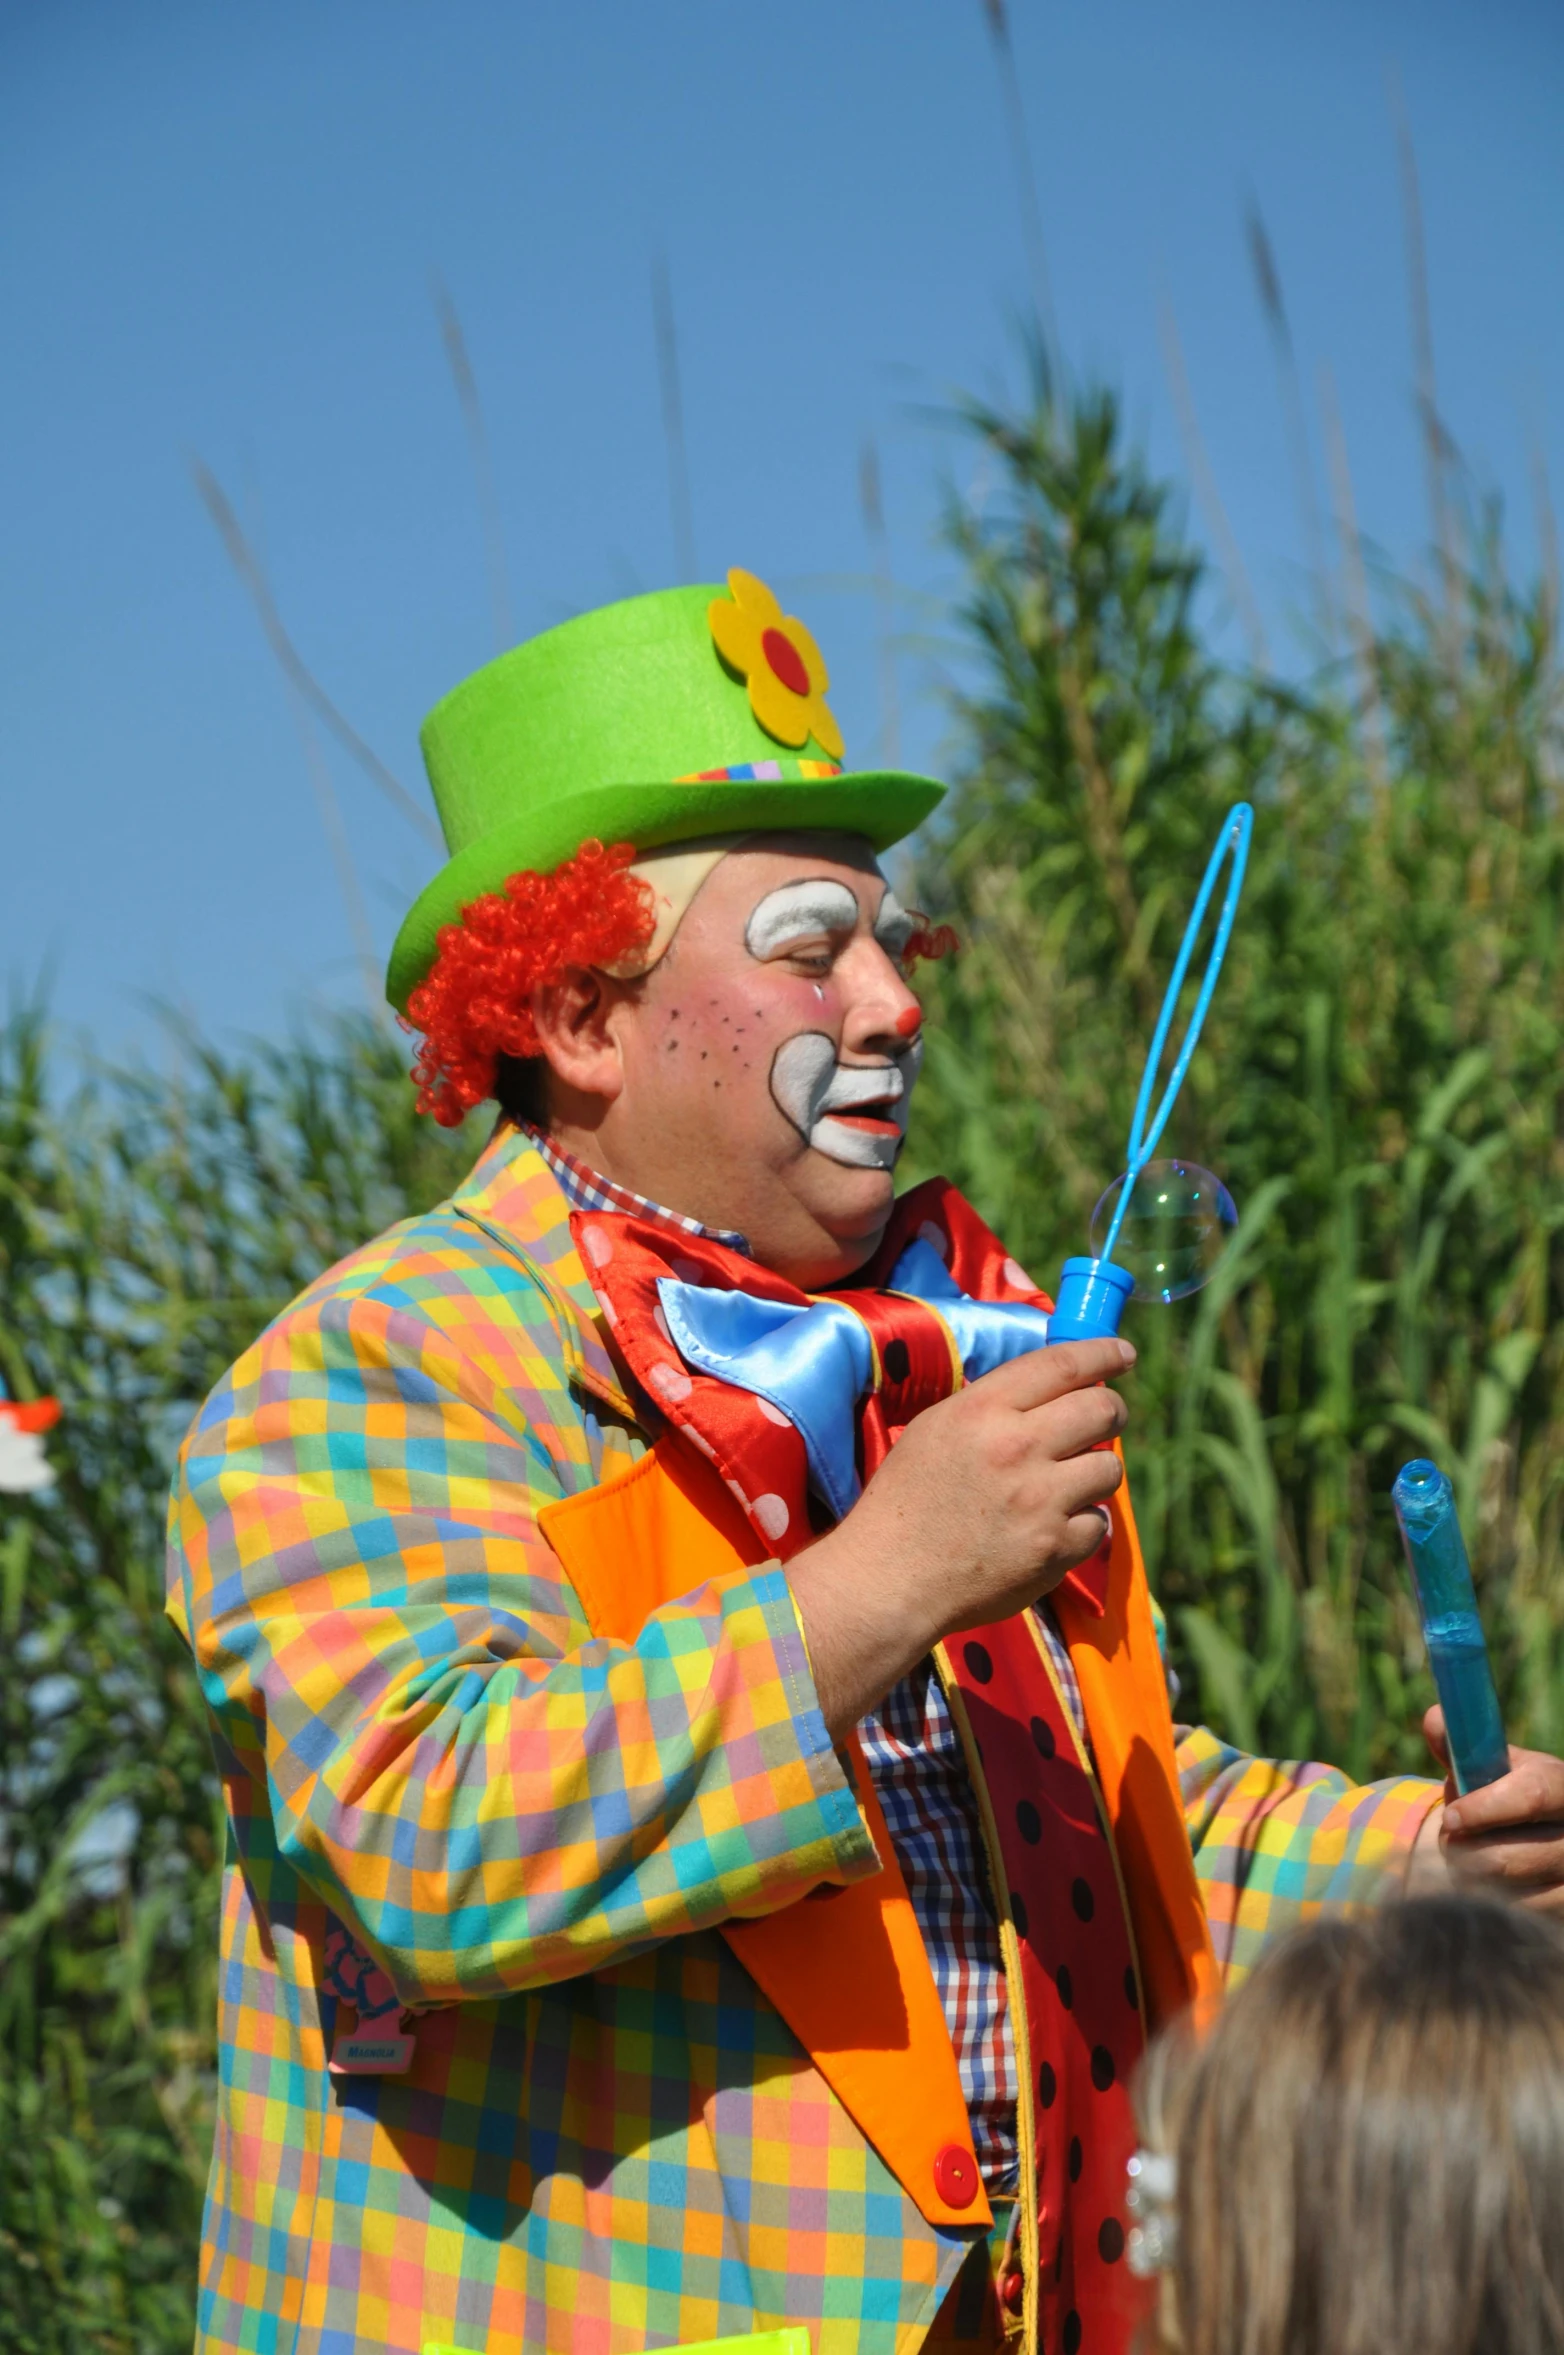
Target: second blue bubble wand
[[1092, 1292]]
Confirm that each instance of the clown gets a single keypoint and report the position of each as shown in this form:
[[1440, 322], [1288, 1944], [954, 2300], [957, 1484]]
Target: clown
[[708, 1836]]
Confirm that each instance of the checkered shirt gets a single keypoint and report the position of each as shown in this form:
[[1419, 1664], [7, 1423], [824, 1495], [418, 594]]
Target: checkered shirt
[[608, 2140], [586, 1188]]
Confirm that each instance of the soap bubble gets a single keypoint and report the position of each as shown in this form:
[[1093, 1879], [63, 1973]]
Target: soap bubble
[[1177, 1222]]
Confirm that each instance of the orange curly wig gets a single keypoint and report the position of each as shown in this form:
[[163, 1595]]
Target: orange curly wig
[[474, 1006]]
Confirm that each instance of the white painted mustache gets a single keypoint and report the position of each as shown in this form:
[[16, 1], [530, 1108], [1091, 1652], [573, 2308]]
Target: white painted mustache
[[809, 1085]]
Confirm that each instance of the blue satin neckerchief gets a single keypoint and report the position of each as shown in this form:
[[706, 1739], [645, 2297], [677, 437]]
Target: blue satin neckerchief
[[814, 1361]]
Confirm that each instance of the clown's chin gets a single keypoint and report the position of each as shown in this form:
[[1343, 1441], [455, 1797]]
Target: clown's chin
[[856, 1147]]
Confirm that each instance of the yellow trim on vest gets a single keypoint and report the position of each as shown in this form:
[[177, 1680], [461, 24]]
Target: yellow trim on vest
[[1015, 2003]]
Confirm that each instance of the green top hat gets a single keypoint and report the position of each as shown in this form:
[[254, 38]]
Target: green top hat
[[688, 713]]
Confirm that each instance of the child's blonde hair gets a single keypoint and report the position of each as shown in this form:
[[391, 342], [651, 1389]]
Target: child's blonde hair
[[1370, 2143]]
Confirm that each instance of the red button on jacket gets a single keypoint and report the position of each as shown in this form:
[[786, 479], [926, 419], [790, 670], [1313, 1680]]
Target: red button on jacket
[[1012, 2291], [956, 2176]]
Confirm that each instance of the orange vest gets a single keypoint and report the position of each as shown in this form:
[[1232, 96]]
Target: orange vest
[[862, 2000]]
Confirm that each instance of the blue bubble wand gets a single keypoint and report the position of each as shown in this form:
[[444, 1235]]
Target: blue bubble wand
[[1453, 1633], [1092, 1292]]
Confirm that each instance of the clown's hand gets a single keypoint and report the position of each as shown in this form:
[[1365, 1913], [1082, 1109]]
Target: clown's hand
[[985, 1502], [1506, 1840]]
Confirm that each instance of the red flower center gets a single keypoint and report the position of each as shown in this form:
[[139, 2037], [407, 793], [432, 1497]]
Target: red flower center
[[785, 659]]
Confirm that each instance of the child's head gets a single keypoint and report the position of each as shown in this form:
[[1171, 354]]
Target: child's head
[[1370, 2143]]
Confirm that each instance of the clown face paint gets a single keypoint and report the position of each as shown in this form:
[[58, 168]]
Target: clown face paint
[[815, 1091], [799, 911], [893, 927], [854, 1113], [702, 1101], [819, 904]]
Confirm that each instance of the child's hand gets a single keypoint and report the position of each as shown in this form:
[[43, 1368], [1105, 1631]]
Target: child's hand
[[1506, 1840]]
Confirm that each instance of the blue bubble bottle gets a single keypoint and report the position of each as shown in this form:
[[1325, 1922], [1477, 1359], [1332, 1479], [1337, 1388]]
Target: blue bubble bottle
[[1169, 1219], [1447, 1605]]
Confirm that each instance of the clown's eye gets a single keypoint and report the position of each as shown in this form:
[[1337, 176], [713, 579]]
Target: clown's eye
[[813, 956]]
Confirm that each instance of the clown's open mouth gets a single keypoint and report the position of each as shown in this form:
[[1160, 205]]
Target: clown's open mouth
[[852, 1112], [871, 1122]]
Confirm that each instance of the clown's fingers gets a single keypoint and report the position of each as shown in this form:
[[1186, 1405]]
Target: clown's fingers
[[1046, 1374]]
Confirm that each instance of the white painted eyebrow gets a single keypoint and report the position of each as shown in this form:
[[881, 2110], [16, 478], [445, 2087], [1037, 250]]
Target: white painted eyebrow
[[893, 927], [798, 911]]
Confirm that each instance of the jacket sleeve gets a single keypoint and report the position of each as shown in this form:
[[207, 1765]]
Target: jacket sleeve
[[404, 1683], [1276, 1840]]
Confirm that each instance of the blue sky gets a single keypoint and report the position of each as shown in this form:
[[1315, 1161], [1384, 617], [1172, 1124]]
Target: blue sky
[[219, 228]]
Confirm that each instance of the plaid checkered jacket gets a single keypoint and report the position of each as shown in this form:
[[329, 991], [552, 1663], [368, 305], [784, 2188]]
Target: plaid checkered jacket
[[609, 2140]]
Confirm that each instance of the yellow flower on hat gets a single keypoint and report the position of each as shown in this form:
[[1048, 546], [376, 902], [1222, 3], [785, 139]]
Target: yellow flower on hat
[[779, 662]]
